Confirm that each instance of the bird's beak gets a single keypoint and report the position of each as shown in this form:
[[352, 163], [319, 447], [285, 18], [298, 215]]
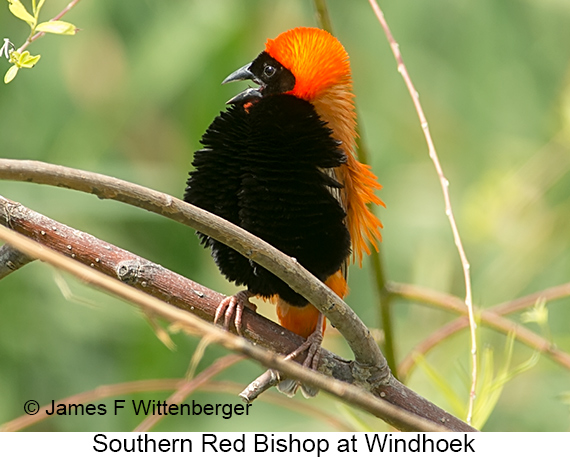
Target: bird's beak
[[240, 74], [248, 95]]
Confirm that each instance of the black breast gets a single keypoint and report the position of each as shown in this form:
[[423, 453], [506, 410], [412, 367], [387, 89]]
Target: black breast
[[262, 168]]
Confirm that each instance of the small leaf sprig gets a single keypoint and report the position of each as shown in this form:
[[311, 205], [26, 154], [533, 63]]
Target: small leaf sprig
[[20, 58]]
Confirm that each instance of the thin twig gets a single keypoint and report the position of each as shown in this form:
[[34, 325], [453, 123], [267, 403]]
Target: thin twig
[[92, 396], [185, 389], [260, 385], [62, 13], [158, 385], [347, 393], [278, 399], [518, 304], [491, 317], [445, 188], [496, 322]]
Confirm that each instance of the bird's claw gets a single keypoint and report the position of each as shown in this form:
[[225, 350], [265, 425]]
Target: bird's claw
[[232, 307], [312, 345]]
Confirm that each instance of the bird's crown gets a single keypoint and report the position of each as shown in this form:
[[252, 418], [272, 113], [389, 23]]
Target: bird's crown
[[315, 57]]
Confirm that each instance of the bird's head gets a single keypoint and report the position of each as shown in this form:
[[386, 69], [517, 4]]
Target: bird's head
[[310, 64], [304, 62]]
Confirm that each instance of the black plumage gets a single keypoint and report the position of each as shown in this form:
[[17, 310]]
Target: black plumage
[[263, 168]]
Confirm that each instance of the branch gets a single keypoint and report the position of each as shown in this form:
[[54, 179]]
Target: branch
[[341, 316], [184, 390], [62, 13], [146, 276], [185, 294], [11, 260], [159, 385], [550, 294], [491, 317], [350, 394], [116, 390]]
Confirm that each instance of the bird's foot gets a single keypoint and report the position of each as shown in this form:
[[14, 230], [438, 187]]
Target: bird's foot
[[232, 308], [312, 345]]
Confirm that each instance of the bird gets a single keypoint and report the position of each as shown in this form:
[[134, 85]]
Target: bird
[[280, 162]]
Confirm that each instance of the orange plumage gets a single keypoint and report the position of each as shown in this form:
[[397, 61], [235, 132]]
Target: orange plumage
[[317, 60]]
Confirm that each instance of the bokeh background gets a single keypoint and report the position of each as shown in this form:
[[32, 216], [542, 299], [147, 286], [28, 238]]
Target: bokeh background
[[132, 93]]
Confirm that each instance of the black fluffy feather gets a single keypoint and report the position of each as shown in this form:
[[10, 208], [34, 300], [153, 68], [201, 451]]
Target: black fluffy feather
[[262, 169]]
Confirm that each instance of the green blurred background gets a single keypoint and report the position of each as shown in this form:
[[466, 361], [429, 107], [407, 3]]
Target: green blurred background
[[132, 93]]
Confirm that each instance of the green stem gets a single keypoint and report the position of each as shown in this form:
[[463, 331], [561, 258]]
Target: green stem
[[384, 295], [385, 299], [323, 16], [33, 37], [380, 280]]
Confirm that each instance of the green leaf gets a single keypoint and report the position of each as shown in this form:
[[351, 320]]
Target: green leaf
[[57, 27], [27, 60], [538, 313], [445, 387], [491, 385], [20, 11], [10, 74], [39, 7]]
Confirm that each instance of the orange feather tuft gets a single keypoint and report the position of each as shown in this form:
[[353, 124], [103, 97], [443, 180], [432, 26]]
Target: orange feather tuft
[[303, 320], [363, 225], [300, 320]]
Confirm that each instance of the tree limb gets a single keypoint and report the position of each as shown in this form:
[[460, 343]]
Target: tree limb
[[404, 419], [11, 260], [183, 293], [345, 320]]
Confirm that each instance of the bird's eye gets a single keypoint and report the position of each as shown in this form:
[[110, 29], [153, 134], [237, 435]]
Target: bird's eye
[[269, 71]]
